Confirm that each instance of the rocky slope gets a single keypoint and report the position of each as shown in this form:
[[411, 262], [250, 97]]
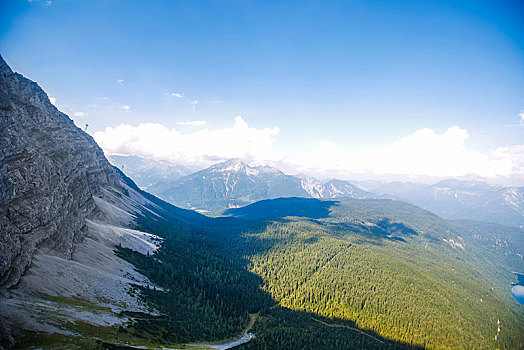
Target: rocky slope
[[63, 209], [345, 189], [50, 171]]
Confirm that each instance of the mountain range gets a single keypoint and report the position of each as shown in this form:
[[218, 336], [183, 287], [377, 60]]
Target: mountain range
[[234, 183], [460, 199], [88, 260]]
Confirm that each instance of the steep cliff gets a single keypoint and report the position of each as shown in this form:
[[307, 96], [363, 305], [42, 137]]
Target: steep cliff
[[49, 172], [63, 209]]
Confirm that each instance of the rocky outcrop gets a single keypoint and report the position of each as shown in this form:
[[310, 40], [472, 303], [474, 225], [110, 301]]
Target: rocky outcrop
[[49, 172]]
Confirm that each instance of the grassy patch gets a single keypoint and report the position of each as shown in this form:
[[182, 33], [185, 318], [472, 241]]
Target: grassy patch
[[80, 334]]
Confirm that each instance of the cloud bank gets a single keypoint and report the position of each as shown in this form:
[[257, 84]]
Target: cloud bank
[[422, 153], [202, 146]]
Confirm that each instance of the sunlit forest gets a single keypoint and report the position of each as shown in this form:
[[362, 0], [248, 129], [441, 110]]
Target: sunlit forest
[[369, 274]]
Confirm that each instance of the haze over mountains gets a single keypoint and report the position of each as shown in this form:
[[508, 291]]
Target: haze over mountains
[[234, 183], [459, 199], [148, 172]]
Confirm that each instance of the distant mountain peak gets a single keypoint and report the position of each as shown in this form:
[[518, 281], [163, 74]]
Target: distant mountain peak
[[233, 161], [233, 165], [236, 165]]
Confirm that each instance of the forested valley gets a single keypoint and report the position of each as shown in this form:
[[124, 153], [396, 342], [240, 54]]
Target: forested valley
[[363, 274]]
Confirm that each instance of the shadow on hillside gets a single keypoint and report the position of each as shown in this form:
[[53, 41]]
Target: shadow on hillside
[[282, 328], [205, 271], [281, 207], [373, 231]]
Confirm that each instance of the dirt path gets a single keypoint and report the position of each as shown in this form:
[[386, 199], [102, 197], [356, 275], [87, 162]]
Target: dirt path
[[348, 327], [231, 343], [252, 320]]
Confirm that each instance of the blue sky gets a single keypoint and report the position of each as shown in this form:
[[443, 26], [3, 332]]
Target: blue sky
[[332, 76]]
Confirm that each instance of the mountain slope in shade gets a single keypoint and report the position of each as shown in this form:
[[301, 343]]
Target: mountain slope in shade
[[506, 241]]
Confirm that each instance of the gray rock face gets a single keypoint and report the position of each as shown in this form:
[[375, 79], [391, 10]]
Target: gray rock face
[[49, 172]]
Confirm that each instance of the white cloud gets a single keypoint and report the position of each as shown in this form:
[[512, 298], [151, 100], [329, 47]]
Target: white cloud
[[155, 140], [79, 114], [53, 100], [125, 107], [193, 123], [424, 153], [120, 81], [176, 94], [520, 122], [515, 154]]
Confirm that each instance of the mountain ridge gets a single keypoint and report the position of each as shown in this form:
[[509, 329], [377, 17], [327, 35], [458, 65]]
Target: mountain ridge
[[473, 200], [145, 171], [234, 183], [453, 199]]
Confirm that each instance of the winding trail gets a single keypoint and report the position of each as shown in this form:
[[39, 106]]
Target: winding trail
[[348, 327], [231, 343]]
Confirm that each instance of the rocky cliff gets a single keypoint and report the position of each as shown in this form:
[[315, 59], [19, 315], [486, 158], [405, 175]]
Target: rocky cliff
[[63, 210], [49, 172]]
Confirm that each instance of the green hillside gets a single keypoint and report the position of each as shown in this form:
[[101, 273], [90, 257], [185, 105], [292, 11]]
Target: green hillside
[[357, 273]]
